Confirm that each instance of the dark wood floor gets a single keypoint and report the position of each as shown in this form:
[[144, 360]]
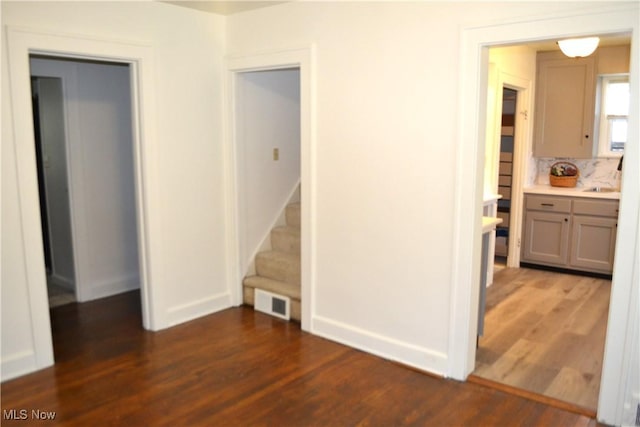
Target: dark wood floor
[[238, 367]]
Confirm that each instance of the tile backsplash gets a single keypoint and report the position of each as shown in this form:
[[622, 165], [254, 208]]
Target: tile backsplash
[[601, 172]]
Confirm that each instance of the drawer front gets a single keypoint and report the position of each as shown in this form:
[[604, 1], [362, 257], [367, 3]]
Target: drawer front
[[504, 180], [548, 204], [504, 216], [506, 156], [505, 192], [607, 208], [505, 168]]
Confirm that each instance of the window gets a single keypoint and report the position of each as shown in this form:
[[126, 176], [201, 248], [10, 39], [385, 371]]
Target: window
[[613, 111]]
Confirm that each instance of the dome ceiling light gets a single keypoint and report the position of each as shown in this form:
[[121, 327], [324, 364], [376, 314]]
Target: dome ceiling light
[[578, 48]]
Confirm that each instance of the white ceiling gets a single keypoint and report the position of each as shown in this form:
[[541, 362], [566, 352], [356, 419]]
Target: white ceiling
[[235, 6], [224, 7], [605, 40]]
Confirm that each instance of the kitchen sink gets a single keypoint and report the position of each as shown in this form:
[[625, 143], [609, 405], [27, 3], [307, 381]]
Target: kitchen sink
[[601, 189]]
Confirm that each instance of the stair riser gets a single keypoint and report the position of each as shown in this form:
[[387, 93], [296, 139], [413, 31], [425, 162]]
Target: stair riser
[[276, 287], [285, 242], [292, 214], [283, 269]]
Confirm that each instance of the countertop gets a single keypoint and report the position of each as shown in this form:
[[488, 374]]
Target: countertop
[[489, 198], [489, 223], [573, 192]]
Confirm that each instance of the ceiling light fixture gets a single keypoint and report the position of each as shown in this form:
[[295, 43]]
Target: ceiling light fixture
[[579, 48]]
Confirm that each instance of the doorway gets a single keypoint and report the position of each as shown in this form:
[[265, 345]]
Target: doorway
[[85, 136], [505, 175], [267, 129], [546, 368], [298, 62], [474, 56], [22, 44], [55, 216]]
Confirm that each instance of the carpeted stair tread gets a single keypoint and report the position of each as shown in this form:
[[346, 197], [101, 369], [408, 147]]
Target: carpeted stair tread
[[277, 287]]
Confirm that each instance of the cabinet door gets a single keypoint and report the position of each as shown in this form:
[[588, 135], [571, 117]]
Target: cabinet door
[[546, 238], [593, 243], [564, 108]]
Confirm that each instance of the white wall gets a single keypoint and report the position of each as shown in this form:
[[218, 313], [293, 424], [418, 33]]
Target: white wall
[[56, 185], [385, 165], [384, 161], [267, 117], [188, 275], [98, 104]]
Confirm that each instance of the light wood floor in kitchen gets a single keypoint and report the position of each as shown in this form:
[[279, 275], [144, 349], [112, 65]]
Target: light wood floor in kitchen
[[545, 333]]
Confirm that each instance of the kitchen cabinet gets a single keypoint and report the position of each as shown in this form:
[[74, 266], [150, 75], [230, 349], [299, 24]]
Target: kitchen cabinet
[[594, 234], [570, 232], [546, 230], [564, 106]]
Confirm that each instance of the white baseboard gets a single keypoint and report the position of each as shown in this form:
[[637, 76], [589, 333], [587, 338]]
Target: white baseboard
[[18, 364], [186, 312], [93, 291], [407, 354], [62, 281]]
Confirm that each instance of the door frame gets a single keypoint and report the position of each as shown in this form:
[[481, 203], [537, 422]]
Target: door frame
[[22, 43], [521, 146], [475, 43], [302, 58]]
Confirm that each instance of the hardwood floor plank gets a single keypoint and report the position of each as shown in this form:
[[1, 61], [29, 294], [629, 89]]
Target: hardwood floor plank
[[242, 368], [547, 334]]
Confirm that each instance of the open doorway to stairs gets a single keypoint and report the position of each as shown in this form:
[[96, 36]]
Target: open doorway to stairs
[[292, 71], [267, 130]]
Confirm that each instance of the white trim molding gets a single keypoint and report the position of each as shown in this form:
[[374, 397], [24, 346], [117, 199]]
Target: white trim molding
[[404, 353], [21, 43]]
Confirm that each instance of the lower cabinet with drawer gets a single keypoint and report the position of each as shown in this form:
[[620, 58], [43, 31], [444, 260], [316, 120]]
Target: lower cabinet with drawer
[[570, 232]]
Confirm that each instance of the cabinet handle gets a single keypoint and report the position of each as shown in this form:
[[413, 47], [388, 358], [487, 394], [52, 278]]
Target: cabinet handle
[[566, 220], [547, 204], [586, 136]]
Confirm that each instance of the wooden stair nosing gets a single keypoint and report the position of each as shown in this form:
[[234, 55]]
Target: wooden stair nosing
[[275, 286]]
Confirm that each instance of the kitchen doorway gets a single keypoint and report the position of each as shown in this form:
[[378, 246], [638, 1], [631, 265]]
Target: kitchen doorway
[[544, 330]]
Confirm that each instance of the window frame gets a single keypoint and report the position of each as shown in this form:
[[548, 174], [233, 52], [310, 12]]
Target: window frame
[[603, 147]]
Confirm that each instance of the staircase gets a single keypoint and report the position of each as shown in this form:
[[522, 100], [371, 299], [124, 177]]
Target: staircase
[[278, 269]]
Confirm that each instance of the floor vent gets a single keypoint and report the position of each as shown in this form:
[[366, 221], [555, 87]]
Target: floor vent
[[273, 304]]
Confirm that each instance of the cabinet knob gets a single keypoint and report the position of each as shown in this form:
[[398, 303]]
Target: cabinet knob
[[566, 220], [586, 136]]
